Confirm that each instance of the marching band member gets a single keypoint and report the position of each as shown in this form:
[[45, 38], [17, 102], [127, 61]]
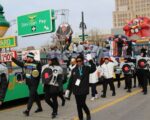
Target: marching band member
[[93, 80], [52, 80], [143, 70], [108, 73], [127, 69], [32, 70], [118, 72]]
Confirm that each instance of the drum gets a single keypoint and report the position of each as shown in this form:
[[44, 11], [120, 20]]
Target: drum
[[47, 75], [142, 63], [126, 68]]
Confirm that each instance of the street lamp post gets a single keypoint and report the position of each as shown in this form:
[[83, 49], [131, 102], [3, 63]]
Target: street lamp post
[[83, 26]]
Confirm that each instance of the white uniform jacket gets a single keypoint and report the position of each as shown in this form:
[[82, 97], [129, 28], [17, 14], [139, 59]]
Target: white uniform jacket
[[108, 69]]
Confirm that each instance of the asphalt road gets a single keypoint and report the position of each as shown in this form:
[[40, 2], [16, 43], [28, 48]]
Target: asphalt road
[[124, 106], [136, 107]]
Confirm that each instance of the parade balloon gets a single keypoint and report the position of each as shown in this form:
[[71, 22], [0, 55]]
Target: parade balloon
[[64, 32], [138, 26]]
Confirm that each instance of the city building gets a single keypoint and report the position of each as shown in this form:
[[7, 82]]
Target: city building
[[128, 9]]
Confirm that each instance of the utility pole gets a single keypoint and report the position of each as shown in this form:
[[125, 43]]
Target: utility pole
[[83, 26]]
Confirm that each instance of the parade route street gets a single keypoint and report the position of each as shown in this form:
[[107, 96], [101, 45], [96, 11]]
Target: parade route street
[[124, 106]]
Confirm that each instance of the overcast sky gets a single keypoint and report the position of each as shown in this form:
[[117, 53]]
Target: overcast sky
[[98, 14]]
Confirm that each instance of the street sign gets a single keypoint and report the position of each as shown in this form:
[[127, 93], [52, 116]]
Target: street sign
[[82, 35], [36, 23], [85, 36], [8, 42]]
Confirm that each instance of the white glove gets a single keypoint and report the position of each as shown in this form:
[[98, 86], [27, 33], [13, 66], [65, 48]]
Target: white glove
[[67, 93], [89, 57], [113, 59]]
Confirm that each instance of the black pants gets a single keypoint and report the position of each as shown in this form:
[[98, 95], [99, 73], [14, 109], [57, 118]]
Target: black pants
[[81, 105], [70, 93], [125, 82], [118, 79], [111, 83], [139, 76], [51, 99], [33, 96], [144, 80], [128, 79], [61, 95], [119, 51], [149, 77], [93, 89], [134, 77]]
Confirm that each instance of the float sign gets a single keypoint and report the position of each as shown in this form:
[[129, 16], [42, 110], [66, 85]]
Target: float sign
[[8, 42], [6, 57]]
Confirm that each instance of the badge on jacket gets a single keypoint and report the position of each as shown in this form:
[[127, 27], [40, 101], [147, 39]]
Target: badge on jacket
[[78, 81]]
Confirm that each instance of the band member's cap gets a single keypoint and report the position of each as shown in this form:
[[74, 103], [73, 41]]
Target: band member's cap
[[106, 57]]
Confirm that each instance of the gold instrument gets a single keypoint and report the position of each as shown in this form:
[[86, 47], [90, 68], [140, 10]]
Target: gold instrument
[[35, 73]]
